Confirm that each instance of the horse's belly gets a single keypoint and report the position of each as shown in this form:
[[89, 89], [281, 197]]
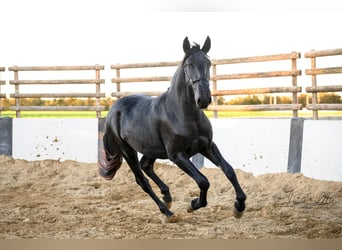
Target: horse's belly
[[147, 145], [152, 152]]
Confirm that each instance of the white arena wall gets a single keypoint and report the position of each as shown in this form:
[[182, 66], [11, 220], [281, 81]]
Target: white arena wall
[[322, 149], [258, 146], [57, 139], [254, 145]]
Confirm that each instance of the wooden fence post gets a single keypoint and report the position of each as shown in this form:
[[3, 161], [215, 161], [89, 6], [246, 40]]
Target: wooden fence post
[[2, 95], [314, 85], [214, 87], [16, 89], [294, 84], [98, 90], [118, 86]]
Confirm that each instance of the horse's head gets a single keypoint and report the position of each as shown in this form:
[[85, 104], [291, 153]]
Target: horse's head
[[196, 65]]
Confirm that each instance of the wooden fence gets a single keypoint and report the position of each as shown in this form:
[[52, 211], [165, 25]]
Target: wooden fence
[[223, 83], [315, 89], [292, 88], [97, 94], [118, 80], [2, 95]]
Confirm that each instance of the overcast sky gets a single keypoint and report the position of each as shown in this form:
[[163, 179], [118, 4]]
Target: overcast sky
[[67, 32], [73, 32]]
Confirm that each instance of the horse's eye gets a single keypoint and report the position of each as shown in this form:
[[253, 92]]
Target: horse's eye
[[189, 66]]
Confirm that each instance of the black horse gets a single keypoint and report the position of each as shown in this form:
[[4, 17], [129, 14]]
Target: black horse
[[171, 126]]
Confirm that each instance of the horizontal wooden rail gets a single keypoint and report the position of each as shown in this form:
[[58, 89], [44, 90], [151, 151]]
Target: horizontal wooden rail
[[293, 55], [58, 95], [148, 93], [324, 106], [58, 108], [320, 53], [143, 79], [144, 65], [255, 91], [257, 75], [331, 88], [321, 71], [262, 107], [55, 68], [77, 81]]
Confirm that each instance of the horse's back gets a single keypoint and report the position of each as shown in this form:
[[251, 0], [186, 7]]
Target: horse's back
[[132, 102], [131, 107]]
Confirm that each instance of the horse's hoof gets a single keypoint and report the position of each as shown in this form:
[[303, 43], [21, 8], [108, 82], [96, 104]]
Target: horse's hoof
[[190, 209], [237, 214], [168, 204], [172, 219]]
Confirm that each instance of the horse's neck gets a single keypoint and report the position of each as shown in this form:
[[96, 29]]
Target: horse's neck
[[178, 92]]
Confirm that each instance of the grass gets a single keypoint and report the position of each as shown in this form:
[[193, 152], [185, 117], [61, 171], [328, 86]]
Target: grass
[[221, 114]]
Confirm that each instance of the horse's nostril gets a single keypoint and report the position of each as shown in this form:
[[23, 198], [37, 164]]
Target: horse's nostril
[[199, 101]]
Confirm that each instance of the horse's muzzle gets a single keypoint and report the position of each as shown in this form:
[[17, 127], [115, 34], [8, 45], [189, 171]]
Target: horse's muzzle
[[202, 94], [202, 104]]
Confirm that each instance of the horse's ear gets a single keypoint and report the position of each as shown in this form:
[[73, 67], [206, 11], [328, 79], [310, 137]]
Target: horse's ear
[[186, 44], [207, 45]]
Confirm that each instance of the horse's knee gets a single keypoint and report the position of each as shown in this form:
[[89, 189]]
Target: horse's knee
[[204, 184], [165, 190]]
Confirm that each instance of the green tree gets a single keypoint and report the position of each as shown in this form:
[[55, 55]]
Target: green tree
[[303, 98], [284, 100], [329, 98], [220, 100], [248, 100]]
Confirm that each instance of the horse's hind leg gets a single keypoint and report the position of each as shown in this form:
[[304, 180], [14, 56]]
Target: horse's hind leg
[[147, 166], [131, 157], [215, 156]]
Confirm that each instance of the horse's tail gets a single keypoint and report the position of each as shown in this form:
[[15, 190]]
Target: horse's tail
[[110, 156]]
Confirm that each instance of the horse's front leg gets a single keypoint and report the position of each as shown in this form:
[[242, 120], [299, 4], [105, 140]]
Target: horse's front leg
[[214, 155], [183, 162]]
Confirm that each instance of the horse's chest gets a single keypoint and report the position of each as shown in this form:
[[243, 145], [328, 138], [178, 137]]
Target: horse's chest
[[188, 138]]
